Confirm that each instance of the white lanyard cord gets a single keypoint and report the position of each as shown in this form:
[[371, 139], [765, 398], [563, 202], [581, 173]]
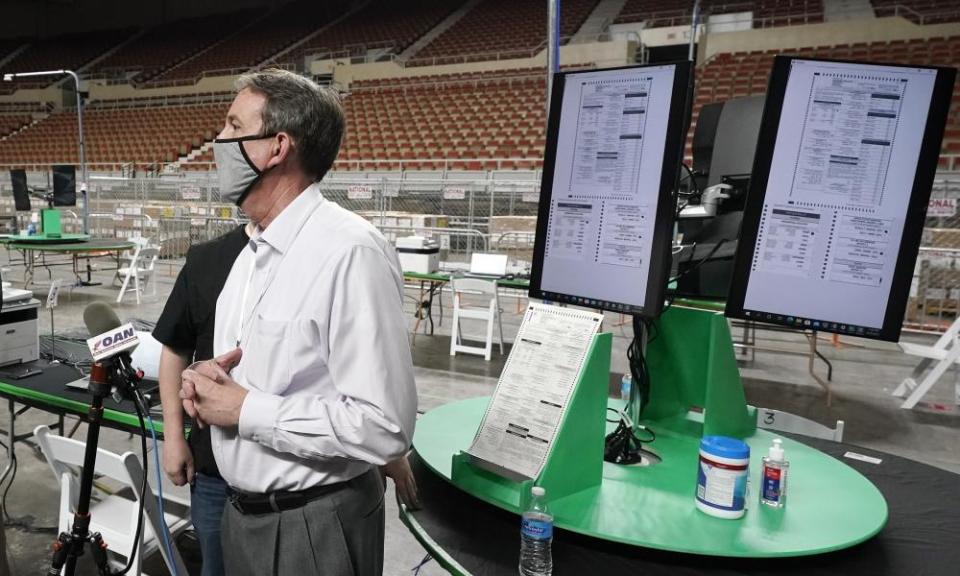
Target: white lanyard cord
[[243, 302], [254, 233]]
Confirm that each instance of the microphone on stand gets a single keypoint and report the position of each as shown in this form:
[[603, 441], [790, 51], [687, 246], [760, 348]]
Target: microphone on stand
[[111, 346], [109, 338]]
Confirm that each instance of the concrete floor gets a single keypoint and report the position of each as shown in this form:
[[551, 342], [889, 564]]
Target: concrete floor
[[864, 374]]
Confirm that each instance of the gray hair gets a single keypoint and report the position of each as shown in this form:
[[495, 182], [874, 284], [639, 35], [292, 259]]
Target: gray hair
[[309, 113]]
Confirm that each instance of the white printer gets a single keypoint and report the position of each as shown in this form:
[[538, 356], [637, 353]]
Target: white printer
[[418, 254], [20, 341]]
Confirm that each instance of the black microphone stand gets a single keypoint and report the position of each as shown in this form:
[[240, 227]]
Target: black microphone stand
[[69, 546]]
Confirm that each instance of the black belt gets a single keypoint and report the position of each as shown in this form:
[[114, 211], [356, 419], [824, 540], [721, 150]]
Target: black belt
[[280, 500]]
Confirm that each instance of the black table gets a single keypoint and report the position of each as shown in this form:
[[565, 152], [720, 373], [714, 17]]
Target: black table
[[48, 391], [922, 535]]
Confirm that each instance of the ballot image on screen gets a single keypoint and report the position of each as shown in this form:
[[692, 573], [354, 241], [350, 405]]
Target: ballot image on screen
[[842, 175], [613, 151]]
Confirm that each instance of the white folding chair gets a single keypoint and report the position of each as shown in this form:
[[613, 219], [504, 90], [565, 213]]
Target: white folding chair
[[945, 352], [140, 270], [115, 517], [770, 419], [127, 256], [127, 261], [490, 313]]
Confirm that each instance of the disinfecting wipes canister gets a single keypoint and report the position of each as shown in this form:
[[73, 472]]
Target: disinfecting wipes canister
[[722, 476]]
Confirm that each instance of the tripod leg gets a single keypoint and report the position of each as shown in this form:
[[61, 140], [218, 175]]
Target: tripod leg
[[61, 547], [75, 541], [72, 544], [99, 549]]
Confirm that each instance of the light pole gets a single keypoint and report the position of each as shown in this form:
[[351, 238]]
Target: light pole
[[553, 46], [694, 22], [83, 157]]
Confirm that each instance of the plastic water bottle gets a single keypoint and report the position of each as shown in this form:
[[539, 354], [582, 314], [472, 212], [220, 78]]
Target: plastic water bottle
[[536, 536], [625, 383]]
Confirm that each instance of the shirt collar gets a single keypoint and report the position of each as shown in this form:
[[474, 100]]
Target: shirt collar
[[284, 228]]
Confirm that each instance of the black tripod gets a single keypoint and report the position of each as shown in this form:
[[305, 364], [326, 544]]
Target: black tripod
[[69, 546]]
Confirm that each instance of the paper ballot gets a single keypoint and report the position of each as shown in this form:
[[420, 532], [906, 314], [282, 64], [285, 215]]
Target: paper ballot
[[518, 429]]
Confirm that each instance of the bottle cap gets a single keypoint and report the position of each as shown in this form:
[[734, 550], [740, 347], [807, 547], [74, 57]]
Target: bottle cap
[[776, 451], [538, 491]]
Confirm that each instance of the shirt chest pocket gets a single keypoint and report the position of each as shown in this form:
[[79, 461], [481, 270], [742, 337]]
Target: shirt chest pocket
[[266, 355]]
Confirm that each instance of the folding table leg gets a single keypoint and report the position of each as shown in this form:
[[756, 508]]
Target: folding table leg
[[11, 438]]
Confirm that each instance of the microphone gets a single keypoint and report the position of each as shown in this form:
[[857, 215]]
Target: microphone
[[112, 339], [112, 344]]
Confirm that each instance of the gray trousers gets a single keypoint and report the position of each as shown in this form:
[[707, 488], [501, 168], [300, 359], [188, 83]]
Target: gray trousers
[[340, 534]]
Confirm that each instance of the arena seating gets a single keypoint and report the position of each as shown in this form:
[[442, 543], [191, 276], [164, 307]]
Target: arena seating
[[380, 24], [498, 29], [251, 46], [10, 123], [455, 122], [467, 121], [166, 45], [140, 135], [495, 120], [470, 120], [919, 11], [742, 74], [766, 13], [202, 162], [62, 52]]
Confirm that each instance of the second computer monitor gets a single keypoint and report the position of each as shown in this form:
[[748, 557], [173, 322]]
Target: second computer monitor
[[614, 146], [841, 181], [21, 194], [64, 185]]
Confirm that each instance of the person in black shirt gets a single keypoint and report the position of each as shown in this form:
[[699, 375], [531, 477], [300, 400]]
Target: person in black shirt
[[185, 329]]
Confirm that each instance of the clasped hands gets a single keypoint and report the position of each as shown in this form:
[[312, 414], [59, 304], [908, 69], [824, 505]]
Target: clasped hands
[[208, 393]]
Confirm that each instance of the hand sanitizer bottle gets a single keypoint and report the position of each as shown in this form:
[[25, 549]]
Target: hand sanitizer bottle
[[773, 491], [33, 227]]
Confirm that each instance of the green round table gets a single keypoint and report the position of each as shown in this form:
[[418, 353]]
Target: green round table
[[829, 505]]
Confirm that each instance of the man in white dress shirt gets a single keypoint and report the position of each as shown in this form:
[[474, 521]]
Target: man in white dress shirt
[[312, 387]]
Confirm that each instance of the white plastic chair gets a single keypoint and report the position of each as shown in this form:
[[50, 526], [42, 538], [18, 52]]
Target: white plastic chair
[[115, 517], [140, 269], [490, 313], [945, 352], [770, 419]]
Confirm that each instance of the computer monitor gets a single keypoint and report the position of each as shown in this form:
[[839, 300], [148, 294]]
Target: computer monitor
[[704, 267], [611, 165], [736, 138], [64, 185], [841, 180], [21, 195]]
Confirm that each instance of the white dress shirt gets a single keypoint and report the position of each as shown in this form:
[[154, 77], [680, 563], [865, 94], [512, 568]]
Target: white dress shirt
[[326, 359]]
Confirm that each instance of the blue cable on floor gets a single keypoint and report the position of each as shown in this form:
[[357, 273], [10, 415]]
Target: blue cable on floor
[[163, 520]]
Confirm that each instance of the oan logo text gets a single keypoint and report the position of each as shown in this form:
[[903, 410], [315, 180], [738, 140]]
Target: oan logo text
[[118, 338]]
